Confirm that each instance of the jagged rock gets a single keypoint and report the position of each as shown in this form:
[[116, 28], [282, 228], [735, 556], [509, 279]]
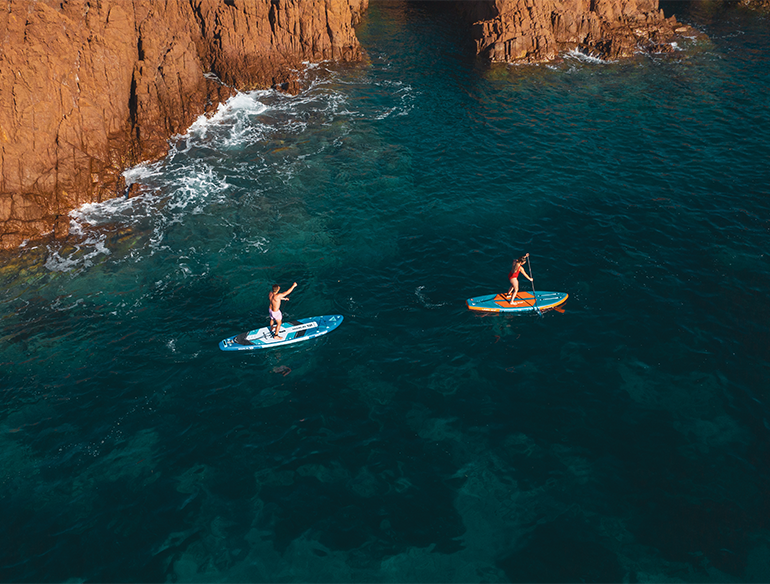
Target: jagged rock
[[91, 87], [537, 31]]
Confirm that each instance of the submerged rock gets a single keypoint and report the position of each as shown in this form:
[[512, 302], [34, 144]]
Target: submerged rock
[[282, 370]]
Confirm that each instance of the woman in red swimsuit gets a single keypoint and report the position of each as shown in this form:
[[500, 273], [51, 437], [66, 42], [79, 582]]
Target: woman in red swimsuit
[[513, 277]]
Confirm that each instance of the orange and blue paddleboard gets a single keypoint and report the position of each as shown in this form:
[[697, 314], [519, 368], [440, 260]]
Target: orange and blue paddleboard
[[524, 302]]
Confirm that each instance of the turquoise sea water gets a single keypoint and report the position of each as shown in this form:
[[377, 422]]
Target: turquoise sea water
[[626, 439]]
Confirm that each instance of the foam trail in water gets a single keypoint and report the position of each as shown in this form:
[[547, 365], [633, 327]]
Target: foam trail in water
[[424, 301]]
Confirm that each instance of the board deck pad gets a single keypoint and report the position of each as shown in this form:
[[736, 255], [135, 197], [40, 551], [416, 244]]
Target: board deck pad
[[524, 302], [292, 331]]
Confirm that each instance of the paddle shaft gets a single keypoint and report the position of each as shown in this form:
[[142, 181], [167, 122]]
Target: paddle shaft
[[534, 294]]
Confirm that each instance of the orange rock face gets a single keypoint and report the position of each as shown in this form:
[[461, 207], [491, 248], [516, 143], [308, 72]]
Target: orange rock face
[[538, 30], [91, 87]]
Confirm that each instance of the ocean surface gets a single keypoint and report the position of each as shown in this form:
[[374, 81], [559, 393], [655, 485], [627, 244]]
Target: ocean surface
[[626, 438]]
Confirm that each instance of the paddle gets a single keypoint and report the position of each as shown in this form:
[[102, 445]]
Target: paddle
[[529, 263]]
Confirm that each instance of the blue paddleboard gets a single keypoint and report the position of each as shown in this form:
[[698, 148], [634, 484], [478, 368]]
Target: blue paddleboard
[[294, 331], [524, 302]]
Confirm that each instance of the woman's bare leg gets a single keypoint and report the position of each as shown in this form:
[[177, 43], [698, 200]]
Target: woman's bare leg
[[515, 288]]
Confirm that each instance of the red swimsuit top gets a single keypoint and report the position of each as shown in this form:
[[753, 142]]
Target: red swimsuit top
[[514, 274]]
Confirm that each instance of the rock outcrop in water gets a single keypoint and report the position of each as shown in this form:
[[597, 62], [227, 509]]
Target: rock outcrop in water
[[91, 87], [538, 30]]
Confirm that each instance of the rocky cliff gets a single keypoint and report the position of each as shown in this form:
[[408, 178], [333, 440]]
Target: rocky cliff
[[90, 87], [538, 30]]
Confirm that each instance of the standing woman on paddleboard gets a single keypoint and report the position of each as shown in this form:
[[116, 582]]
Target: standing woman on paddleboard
[[513, 277]]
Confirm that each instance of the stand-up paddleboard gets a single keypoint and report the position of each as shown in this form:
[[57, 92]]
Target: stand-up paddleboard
[[294, 331], [524, 302]]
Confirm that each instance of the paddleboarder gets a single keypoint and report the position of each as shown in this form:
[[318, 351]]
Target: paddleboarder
[[513, 277], [275, 308]]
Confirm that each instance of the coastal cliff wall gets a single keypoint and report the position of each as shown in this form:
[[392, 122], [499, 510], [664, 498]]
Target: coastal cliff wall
[[91, 87], [536, 31]]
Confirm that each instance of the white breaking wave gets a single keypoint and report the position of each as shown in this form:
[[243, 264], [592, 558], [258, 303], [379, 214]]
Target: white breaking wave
[[119, 209], [581, 56], [253, 143], [91, 248], [142, 172], [195, 184], [235, 115]]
